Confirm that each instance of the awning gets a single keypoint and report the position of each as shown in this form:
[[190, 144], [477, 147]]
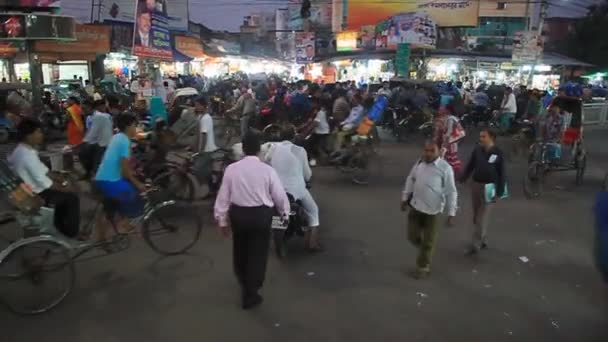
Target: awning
[[180, 57]]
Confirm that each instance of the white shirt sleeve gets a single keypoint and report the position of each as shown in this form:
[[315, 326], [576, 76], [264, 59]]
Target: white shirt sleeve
[[451, 194], [408, 189], [204, 124], [37, 172]]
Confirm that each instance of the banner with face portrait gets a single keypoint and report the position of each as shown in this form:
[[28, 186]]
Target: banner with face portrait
[[122, 11], [417, 29], [151, 37], [305, 47]]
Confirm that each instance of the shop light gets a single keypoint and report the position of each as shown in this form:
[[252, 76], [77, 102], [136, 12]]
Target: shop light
[[541, 68]]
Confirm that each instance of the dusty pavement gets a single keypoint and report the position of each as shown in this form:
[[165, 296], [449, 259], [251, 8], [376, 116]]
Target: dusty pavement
[[356, 290]]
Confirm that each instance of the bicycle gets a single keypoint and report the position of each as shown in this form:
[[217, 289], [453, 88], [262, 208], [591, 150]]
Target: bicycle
[[28, 264], [540, 165], [359, 159]]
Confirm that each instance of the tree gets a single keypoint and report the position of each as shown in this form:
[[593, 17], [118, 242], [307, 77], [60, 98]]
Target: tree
[[588, 41]]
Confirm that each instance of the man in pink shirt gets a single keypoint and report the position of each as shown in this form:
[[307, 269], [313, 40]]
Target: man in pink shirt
[[245, 204]]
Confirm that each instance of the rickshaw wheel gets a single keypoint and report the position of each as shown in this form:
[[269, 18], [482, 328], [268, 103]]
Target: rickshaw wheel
[[533, 181], [581, 166]]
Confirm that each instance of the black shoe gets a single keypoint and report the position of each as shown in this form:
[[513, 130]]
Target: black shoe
[[252, 301]]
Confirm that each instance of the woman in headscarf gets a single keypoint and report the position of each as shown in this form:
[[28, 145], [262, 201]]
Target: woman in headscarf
[[448, 133], [75, 126]]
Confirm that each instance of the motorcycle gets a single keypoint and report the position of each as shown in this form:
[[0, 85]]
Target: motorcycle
[[479, 115], [284, 230], [406, 122]]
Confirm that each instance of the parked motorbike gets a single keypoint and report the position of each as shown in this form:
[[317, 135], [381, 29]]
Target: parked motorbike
[[478, 116], [406, 122]]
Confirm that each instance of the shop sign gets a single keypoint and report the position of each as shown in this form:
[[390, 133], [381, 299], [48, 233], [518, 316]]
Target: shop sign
[[151, 36], [89, 39], [445, 13], [305, 47], [30, 3], [367, 38], [320, 18], [176, 11], [189, 46], [402, 60], [527, 46], [347, 41], [415, 28]]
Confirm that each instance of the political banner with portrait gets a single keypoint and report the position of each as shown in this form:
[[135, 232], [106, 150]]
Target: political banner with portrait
[[416, 29], [151, 36], [305, 47], [176, 11]]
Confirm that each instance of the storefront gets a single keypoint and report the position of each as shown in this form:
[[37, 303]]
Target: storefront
[[72, 60], [7, 54], [121, 64]]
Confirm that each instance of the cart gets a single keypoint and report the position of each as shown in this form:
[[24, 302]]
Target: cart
[[574, 158]]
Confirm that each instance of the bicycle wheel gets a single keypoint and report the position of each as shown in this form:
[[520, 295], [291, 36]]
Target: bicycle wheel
[[365, 165], [533, 181], [172, 229], [581, 166], [36, 277], [176, 184]]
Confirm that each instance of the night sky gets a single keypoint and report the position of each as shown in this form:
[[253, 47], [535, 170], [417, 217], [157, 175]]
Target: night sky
[[228, 14]]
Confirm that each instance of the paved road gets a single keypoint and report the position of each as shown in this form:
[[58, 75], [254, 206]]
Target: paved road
[[356, 290]]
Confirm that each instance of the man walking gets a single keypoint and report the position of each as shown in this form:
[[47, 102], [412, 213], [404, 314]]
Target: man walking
[[487, 165], [429, 188], [244, 207]]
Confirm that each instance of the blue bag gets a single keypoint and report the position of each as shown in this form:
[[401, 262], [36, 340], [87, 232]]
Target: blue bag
[[490, 192]]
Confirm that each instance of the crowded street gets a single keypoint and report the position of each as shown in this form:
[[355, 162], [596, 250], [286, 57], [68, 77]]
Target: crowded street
[[356, 290], [303, 170]]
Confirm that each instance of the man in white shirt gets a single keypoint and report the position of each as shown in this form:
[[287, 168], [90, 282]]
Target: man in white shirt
[[55, 192], [97, 138], [206, 145], [429, 188], [508, 108], [291, 164], [318, 143]]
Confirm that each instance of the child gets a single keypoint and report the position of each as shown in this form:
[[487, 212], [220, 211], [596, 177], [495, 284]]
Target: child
[[320, 133]]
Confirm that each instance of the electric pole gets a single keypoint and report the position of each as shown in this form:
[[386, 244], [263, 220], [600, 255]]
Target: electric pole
[[544, 6]]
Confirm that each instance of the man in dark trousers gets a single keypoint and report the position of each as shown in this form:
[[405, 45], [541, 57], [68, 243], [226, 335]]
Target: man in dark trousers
[[487, 166], [245, 204]]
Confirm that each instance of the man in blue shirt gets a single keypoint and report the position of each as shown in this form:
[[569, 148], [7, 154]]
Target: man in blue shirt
[[115, 178]]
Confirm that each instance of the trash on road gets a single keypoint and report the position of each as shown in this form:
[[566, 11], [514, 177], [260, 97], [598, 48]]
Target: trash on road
[[310, 274], [487, 286], [422, 295], [419, 304], [524, 259], [554, 324], [276, 325], [474, 271], [541, 242], [506, 314]]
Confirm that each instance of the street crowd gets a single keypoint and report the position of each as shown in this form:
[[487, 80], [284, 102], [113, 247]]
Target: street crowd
[[317, 124]]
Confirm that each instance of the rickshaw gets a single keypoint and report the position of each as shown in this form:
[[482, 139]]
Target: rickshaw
[[543, 158]]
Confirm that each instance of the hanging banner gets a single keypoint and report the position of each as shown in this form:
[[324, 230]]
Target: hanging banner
[[347, 41], [527, 46], [176, 11], [305, 47], [414, 28], [445, 13], [402, 59], [320, 15], [151, 37]]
